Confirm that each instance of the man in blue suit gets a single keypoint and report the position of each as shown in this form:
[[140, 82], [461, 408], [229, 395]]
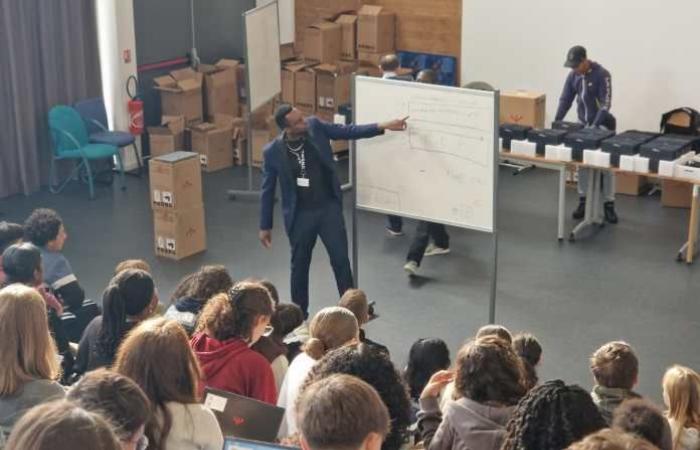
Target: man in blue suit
[[302, 159]]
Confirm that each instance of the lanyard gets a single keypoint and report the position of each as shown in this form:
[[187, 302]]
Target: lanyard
[[300, 155]]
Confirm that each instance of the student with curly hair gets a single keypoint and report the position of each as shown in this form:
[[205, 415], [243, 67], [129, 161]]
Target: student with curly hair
[[642, 418], [488, 385], [228, 326], [681, 387], [45, 229], [615, 369], [194, 291], [552, 416], [374, 367], [528, 348]]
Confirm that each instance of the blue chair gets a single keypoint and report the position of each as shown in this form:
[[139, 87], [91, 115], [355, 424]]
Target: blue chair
[[95, 116], [71, 142]]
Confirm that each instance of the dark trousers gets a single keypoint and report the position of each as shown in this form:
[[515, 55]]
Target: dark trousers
[[424, 232], [395, 223], [328, 224]]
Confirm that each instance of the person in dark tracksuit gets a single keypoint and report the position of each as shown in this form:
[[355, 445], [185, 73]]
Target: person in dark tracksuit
[[591, 85], [301, 158], [426, 231], [389, 64]]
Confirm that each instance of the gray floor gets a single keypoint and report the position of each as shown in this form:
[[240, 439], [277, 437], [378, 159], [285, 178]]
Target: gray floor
[[621, 284]]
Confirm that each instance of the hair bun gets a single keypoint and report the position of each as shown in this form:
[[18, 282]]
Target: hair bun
[[315, 348]]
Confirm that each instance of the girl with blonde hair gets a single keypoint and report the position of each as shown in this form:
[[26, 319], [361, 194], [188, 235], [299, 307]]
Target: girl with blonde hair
[[30, 363], [330, 328], [681, 386]]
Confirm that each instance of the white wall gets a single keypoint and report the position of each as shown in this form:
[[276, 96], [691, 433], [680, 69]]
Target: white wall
[[115, 29], [649, 47]]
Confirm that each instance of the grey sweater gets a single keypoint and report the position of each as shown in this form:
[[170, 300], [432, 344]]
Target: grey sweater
[[12, 407], [466, 425]]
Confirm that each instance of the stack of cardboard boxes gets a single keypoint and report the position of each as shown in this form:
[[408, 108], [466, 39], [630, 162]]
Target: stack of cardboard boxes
[[176, 201]]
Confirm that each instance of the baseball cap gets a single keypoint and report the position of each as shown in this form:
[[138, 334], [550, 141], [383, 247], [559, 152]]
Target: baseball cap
[[575, 56]]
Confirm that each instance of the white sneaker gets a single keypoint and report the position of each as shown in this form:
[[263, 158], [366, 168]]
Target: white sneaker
[[434, 250], [411, 268], [393, 233]]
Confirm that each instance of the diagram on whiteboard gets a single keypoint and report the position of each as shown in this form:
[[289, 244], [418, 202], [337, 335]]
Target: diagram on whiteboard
[[442, 167]]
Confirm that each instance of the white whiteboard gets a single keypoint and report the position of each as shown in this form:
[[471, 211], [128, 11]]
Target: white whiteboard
[[443, 167], [286, 15], [262, 54]]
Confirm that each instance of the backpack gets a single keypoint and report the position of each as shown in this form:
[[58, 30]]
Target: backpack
[[681, 121]]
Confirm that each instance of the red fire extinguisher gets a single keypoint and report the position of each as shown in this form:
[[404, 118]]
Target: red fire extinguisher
[[134, 107]]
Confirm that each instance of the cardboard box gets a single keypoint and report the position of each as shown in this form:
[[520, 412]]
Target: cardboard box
[[221, 88], [370, 58], [305, 90], [259, 117], [630, 184], [676, 194], [176, 181], [287, 52], [260, 138], [214, 143], [322, 42], [179, 234], [181, 94], [333, 86], [240, 151], [289, 71], [168, 137], [370, 70], [376, 29], [348, 42], [523, 108]]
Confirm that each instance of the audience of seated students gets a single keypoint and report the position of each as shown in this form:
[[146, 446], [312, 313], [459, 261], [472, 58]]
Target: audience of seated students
[[29, 366], [642, 418], [681, 392], [488, 385], [157, 356], [552, 416], [194, 291], [62, 425], [528, 348], [356, 301], [285, 319], [329, 419], [22, 264], [615, 368], [608, 439], [374, 367], [10, 233], [129, 299], [228, 325], [45, 229], [425, 357], [120, 400], [330, 328]]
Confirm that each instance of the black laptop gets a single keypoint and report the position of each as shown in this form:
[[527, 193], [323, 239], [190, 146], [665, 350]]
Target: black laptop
[[234, 443], [244, 417]]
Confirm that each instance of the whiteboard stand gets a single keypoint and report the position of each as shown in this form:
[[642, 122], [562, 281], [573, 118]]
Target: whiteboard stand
[[256, 100], [492, 229]]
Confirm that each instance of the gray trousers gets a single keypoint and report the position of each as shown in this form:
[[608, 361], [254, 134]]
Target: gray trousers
[[608, 179]]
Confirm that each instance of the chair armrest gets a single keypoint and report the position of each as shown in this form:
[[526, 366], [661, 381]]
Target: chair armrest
[[99, 124]]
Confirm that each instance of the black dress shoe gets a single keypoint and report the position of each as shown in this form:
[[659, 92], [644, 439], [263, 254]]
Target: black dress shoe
[[580, 210], [610, 214]]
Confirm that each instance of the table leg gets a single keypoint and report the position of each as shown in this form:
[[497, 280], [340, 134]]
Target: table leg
[[693, 226], [562, 202]]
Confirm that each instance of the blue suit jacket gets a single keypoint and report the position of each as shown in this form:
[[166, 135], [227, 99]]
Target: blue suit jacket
[[276, 165]]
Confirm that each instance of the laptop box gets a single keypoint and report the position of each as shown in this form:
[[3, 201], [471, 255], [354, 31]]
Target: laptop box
[[568, 126], [585, 139], [667, 147], [626, 143], [512, 131], [544, 137]]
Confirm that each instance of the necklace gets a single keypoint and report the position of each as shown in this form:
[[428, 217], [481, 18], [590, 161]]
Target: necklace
[[295, 149]]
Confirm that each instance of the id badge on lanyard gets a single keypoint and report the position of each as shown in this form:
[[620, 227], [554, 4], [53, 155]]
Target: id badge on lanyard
[[303, 179]]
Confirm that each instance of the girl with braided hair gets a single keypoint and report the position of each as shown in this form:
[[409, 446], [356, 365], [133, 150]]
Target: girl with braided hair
[[552, 416], [227, 327]]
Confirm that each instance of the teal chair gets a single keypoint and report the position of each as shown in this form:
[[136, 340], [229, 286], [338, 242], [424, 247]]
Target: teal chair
[[71, 142]]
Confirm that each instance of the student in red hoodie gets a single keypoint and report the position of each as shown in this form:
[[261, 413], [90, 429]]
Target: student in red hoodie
[[228, 326]]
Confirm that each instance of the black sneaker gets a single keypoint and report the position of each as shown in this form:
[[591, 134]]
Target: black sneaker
[[580, 210], [610, 214]]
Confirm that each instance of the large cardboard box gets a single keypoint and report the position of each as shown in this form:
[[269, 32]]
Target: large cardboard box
[[376, 29], [348, 26], [370, 58], [333, 85], [181, 94], [214, 143], [289, 71], [630, 184], [369, 70], [221, 88], [322, 42], [305, 90], [179, 234], [176, 181], [287, 52], [168, 137], [523, 108], [260, 138], [676, 194]]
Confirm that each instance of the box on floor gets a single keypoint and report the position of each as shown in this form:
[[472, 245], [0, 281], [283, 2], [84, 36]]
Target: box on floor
[[181, 94], [214, 143], [176, 181], [168, 137], [333, 85], [179, 234], [630, 184], [676, 194]]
